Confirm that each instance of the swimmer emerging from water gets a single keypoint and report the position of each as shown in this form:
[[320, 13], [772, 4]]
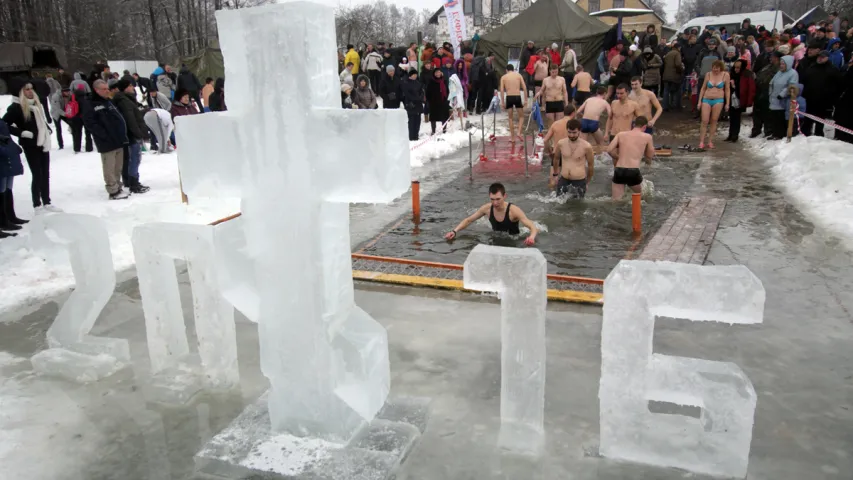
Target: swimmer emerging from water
[[628, 149], [592, 109], [503, 216], [578, 164], [556, 133]]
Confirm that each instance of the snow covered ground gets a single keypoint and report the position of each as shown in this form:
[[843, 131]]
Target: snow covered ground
[[77, 187], [816, 173]]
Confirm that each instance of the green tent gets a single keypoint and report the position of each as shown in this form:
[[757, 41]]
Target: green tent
[[206, 63], [546, 22]]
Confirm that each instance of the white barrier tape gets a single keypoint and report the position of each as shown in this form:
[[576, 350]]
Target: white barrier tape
[[821, 120], [441, 129]]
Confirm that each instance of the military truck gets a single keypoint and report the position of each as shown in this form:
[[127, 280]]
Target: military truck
[[23, 59]]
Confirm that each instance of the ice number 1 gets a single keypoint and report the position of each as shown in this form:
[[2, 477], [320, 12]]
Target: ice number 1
[[715, 441]]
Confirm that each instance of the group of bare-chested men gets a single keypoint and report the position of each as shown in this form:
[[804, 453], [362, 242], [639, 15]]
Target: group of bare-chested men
[[630, 124]]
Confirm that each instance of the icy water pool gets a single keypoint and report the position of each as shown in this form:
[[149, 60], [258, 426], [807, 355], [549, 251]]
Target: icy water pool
[[578, 237]]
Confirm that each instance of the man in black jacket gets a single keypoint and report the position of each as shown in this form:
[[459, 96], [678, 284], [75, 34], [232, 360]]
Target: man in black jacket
[[526, 53], [109, 131], [412, 92], [389, 88], [188, 81], [821, 87], [131, 111]]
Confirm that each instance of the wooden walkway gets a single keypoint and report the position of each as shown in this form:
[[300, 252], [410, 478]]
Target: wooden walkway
[[687, 234]]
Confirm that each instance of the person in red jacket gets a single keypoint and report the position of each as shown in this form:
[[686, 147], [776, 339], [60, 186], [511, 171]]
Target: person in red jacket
[[743, 86], [555, 54]]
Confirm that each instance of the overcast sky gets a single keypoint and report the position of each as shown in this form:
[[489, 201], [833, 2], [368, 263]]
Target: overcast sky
[[671, 9]]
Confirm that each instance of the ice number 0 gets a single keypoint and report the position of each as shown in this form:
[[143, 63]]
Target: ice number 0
[[717, 440]]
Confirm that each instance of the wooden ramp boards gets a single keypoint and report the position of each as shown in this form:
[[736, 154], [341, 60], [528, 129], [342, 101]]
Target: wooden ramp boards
[[687, 234]]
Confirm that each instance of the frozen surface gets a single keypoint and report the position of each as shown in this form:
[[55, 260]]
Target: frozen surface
[[815, 172], [518, 275], [326, 359], [247, 447], [718, 441], [156, 247], [87, 243]]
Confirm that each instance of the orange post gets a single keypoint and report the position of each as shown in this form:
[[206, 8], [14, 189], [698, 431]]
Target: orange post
[[416, 199], [636, 212]]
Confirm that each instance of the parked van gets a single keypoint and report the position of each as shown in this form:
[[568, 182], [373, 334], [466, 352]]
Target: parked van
[[769, 19]]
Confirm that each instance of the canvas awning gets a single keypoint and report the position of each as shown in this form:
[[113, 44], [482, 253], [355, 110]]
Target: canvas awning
[[546, 22]]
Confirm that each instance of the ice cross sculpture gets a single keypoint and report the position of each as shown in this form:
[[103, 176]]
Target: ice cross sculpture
[[632, 376], [519, 276], [301, 159]]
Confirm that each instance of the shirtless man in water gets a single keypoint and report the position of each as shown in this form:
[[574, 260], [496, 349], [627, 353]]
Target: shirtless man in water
[[578, 162], [646, 99], [503, 216], [583, 82], [556, 133], [512, 86], [624, 113], [628, 148], [556, 96], [592, 109]]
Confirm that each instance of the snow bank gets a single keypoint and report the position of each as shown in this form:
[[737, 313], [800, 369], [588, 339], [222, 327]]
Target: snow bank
[[77, 186], [816, 173]]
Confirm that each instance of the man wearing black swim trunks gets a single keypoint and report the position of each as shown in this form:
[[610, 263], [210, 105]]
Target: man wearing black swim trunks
[[578, 165], [503, 216], [556, 96], [512, 100], [628, 149]]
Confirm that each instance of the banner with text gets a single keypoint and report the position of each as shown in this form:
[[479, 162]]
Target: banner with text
[[456, 25]]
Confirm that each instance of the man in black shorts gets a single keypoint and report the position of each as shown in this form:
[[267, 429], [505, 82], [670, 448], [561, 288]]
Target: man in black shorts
[[628, 149], [556, 96], [512, 99]]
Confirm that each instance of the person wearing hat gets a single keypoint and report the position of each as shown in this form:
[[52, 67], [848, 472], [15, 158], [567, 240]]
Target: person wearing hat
[[708, 56], [652, 64], [131, 111], [822, 84], [761, 109], [412, 96], [10, 167], [810, 58]]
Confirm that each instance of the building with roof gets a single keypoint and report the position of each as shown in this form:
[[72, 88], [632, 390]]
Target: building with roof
[[638, 23]]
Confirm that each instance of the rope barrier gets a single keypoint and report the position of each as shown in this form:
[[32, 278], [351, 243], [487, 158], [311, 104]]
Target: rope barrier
[[426, 140], [819, 120]]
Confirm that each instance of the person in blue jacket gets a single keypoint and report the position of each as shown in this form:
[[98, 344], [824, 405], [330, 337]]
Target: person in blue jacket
[[10, 167]]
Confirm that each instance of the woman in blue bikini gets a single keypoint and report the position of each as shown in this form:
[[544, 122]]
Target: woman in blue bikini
[[713, 98]]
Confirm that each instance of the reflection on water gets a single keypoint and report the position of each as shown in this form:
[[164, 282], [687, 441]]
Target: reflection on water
[[578, 237]]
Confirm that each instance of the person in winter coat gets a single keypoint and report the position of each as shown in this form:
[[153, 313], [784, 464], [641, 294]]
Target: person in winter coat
[[158, 100], [527, 52], [742, 82], [106, 123], [651, 68], [10, 167], [779, 95], [346, 75], [182, 106], [64, 78], [821, 86], [673, 71], [487, 82], [412, 96], [28, 121], [761, 122], [188, 82], [143, 83], [159, 123], [836, 53], [844, 105], [79, 83], [371, 65], [346, 96], [363, 97], [569, 65], [353, 58], [164, 81], [389, 88], [131, 112], [436, 97], [58, 102], [217, 98]]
